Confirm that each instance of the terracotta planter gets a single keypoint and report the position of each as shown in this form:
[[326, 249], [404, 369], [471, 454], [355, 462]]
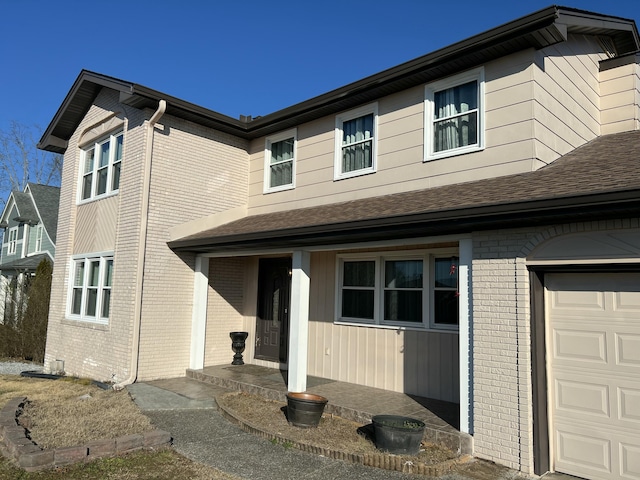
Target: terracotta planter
[[397, 434], [305, 409]]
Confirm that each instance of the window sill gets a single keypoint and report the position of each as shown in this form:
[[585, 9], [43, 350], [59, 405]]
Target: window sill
[[93, 325], [416, 328], [282, 188], [99, 197], [355, 173], [454, 152]]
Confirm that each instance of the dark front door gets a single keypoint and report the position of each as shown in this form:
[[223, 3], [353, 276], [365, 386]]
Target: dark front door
[[272, 328]]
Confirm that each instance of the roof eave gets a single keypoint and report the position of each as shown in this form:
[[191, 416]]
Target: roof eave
[[461, 220]]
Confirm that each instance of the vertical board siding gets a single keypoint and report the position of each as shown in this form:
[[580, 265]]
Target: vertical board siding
[[415, 362]]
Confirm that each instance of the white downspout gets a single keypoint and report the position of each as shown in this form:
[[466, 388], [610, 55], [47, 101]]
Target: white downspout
[[142, 246]]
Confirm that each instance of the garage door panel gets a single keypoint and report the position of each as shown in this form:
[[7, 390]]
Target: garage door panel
[[579, 345], [580, 451], [629, 405], [594, 374], [628, 349], [582, 398], [629, 461]]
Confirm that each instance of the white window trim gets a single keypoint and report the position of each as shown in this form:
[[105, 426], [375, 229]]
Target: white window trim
[[39, 236], [444, 84], [267, 188], [12, 244], [345, 117], [111, 138], [428, 257], [103, 257]]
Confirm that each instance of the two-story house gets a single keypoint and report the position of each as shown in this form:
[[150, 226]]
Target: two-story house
[[30, 222], [464, 226]]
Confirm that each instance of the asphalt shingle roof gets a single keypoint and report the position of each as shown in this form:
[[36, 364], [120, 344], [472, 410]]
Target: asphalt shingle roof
[[47, 198], [607, 164]]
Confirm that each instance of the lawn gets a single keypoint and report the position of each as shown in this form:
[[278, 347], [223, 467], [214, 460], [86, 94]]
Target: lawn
[[70, 412]]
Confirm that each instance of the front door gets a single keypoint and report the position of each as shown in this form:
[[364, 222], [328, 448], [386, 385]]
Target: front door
[[272, 320]]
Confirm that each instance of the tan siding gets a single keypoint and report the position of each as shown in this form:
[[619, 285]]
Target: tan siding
[[96, 226], [400, 146], [620, 102], [419, 363], [567, 102]]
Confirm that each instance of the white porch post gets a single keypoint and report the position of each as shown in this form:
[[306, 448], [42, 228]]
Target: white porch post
[[199, 312], [299, 321], [465, 336]]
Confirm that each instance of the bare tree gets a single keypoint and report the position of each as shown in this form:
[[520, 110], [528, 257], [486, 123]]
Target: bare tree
[[21, 161]]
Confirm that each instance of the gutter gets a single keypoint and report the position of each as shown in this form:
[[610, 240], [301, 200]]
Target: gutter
[[142, 246]]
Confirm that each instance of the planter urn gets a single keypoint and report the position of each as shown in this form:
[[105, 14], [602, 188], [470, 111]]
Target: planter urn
[[304, 410], [238, 340], [397, 434]]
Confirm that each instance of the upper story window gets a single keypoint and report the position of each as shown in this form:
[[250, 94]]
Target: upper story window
[[454, 115], [90, 295], [13, 241], [101, 167], [39, 231], [410, 289], [356, 142], [280, 161]]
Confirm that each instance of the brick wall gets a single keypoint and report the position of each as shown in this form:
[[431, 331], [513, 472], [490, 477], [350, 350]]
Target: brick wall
[[502, 392]]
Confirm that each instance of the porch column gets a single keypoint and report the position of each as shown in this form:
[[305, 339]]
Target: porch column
[[299, 321], [199, 312], [465, 336]]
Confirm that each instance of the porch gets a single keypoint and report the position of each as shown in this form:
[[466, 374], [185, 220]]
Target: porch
[[348, 400]]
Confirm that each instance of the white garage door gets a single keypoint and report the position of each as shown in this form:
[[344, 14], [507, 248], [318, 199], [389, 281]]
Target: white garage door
[[593, 354]]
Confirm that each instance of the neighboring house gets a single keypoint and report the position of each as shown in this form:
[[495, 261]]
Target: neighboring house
[[464, 226], [30, 222]]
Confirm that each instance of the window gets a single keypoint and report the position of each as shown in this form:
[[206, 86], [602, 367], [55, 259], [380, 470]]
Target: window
[[39, 230], [13, 240], [91, 289], [279, 165], [412, 289], [356, 142], [101, 167], [454, 115]]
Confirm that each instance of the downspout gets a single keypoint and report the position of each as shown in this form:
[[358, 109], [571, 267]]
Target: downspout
[[142, 247]]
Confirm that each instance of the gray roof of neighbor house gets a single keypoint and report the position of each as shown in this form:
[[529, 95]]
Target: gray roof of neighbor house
[[47, 199], [26, 263], [26, 209], [537, 30], [596, 181]]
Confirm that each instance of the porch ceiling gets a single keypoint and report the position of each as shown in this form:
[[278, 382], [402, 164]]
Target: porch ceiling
[[596, 181]]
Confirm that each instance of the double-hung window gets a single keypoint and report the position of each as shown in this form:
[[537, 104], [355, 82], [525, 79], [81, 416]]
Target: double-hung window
[[411, 289], [13, 241], [454, 118], [355, 144], [91, 288], [101, 164], [280, 161]]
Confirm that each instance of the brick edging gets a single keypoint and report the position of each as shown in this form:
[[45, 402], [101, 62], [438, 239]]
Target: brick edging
[[378, 460], [15, 445]]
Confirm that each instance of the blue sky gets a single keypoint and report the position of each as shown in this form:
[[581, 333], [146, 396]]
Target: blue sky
[[250, 57]]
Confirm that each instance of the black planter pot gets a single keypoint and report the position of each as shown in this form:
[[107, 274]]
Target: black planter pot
[[397, 434], [305, 409], [238, 340]]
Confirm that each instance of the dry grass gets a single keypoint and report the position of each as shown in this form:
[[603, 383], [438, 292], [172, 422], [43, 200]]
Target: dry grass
[[333, 432], [66, 413]]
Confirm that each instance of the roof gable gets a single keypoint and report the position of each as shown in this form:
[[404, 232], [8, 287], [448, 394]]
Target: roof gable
[[46, 200]]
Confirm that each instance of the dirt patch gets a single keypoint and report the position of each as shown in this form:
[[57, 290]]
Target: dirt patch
[[333, 432]]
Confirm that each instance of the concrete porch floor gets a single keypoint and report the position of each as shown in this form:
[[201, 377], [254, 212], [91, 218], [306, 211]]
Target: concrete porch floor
[[348, 400]]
